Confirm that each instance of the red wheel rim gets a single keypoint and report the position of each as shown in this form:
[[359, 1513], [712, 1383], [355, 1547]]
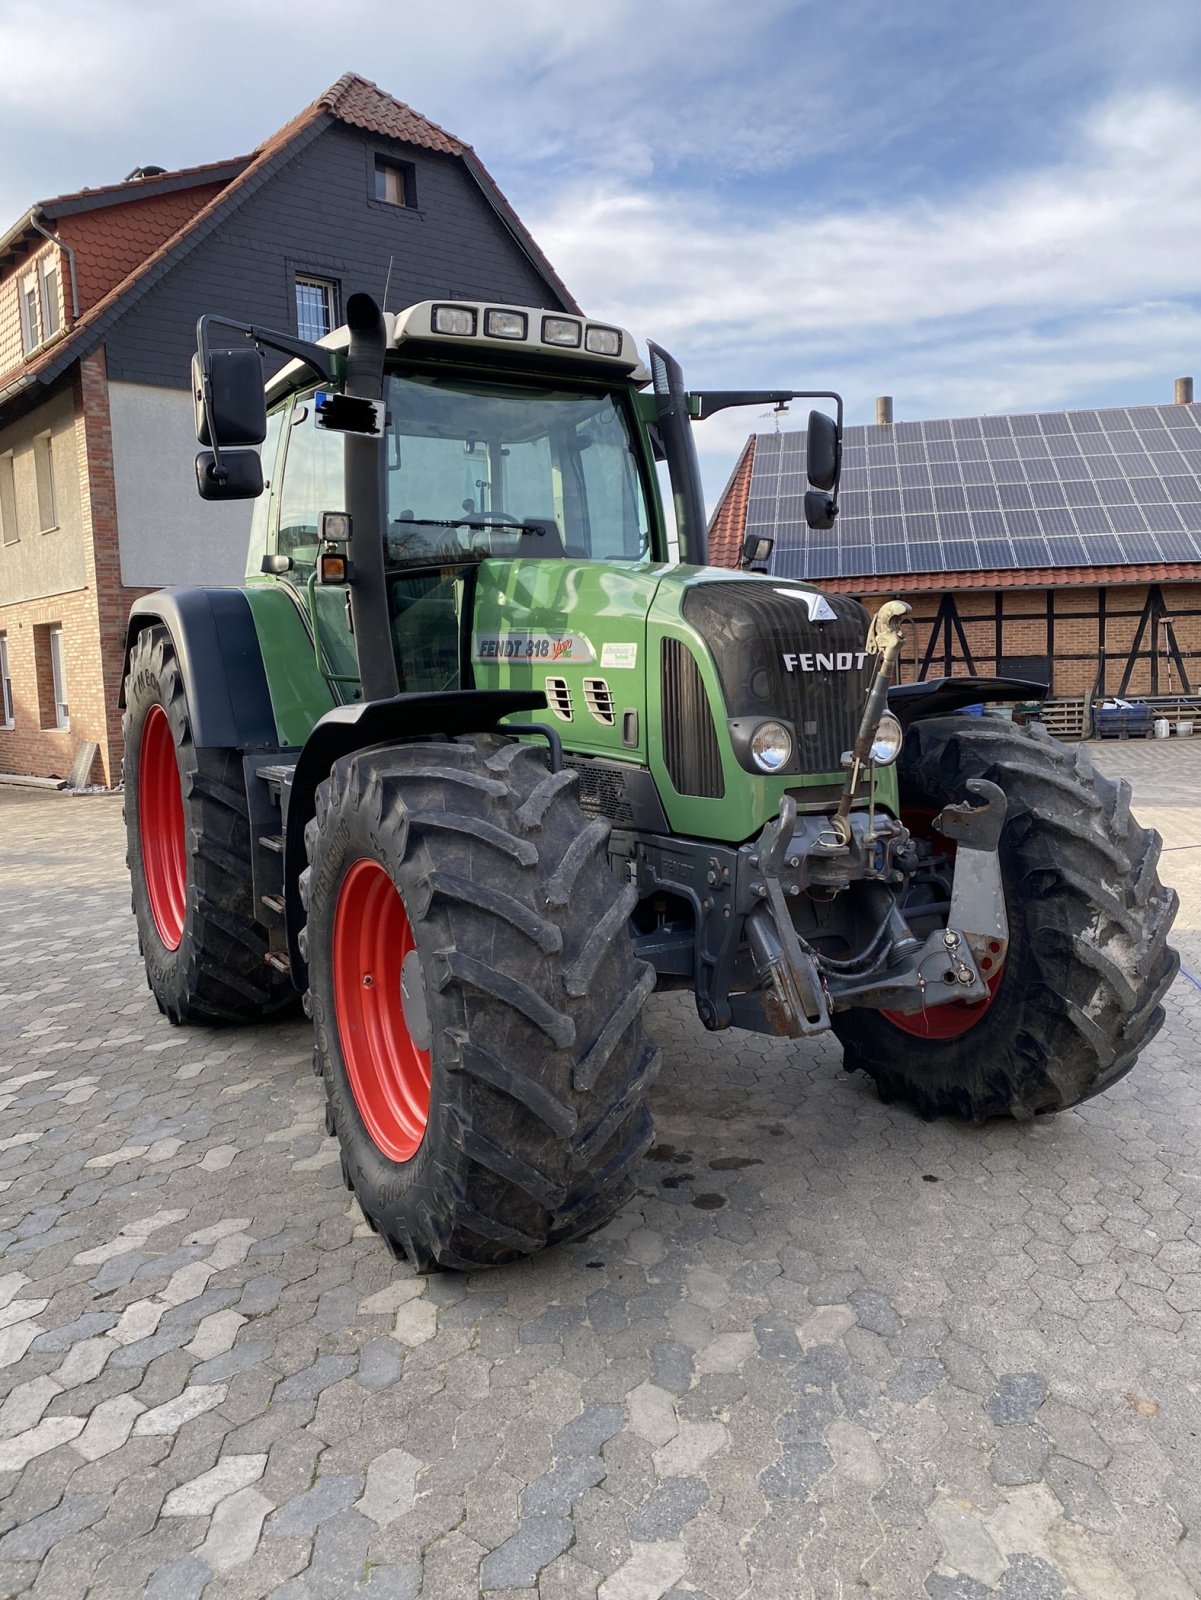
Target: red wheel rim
[[161, 827], [961, 1016], [389, 1073]]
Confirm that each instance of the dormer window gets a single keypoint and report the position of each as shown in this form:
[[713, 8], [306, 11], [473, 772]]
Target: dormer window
[[395, 182], [37, 296]]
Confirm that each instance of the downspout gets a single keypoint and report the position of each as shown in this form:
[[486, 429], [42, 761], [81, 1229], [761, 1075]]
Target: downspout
[[70, 255]]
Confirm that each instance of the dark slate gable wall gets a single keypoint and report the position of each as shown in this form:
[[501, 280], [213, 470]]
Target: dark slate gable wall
[[317, 216]]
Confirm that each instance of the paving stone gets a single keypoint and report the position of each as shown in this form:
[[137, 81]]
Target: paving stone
[[172, 1414], [380, 1364], [201, 1495], [181, 1579], [308, 1511], [1021, 1455], [33, 1539], [516, 1563], [313, 1380], [671, 1367], [584, 1435], [1018, 1397], [391, 1487], [1031, 1578], [556, 1492], [967, 1545], [796, 1472], [108, 1427], [666, 1513], [234, 1531]]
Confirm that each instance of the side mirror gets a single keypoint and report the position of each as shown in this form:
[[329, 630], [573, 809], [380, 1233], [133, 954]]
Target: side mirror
[[235, 414], [239, 476], [823, 451], [820, 508]]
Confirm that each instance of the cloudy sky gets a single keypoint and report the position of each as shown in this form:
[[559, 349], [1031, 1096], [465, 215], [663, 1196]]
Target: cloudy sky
[[971, 206]]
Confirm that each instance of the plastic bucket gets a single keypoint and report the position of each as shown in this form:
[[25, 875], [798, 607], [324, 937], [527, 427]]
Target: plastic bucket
[[1162, 727], [1184, 730]]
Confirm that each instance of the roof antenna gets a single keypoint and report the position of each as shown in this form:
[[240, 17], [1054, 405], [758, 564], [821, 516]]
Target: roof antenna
[[387, 281]]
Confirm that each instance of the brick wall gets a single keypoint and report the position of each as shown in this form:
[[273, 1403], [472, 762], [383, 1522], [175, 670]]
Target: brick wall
[[1072, 638], [92, 619]]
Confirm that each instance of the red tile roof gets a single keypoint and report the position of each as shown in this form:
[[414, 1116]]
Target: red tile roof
[[1030, 578], [110, 244], [131, 188], [353, 99], [729, 520]]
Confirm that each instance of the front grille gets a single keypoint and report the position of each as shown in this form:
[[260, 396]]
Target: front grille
[[752, 626], [602, 792], [690, 749]]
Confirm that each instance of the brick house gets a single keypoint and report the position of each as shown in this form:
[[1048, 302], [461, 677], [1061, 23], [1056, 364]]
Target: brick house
[[99, 296], [1063, 547]]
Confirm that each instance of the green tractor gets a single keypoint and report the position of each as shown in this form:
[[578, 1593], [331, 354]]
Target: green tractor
[[472, 765]]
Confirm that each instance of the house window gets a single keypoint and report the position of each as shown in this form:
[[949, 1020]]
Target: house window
[[395, 182], [31, 322], [6, 685], [43, 457], [48, 285], [50, 669], [316, 307], [9, 531]]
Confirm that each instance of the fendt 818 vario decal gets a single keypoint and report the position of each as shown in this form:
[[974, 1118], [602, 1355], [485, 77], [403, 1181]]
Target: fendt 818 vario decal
[[472, 766]]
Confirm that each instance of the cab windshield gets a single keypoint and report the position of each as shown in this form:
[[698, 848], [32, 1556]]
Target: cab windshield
[[507, 470]]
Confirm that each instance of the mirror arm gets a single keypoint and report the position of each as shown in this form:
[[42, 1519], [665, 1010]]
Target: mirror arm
[[711, 400]]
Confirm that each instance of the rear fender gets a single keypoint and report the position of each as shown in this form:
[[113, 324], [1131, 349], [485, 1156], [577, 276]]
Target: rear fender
[[217, 647], [400, 719]]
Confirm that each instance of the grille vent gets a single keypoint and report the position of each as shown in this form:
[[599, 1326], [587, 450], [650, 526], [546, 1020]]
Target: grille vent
[[690, 748], [558, 698], [599, 700], [602, 792]]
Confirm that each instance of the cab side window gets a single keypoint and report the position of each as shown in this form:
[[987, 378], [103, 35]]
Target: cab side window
[[261, 518], [313, 482]]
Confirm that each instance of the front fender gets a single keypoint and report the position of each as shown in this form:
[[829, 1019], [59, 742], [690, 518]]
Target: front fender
[[937, 697], [397, 720]]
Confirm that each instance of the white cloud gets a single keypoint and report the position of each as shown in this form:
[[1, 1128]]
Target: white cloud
[[1122, 221]]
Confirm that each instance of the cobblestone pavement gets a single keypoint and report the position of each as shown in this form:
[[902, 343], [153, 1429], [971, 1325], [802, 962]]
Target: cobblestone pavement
[[830, 1351]]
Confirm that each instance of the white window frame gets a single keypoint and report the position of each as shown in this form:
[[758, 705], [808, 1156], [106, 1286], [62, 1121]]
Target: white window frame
[[62, 713], [47, 490], [10, 528], [48, 291], [31, 316], [6, 686], [329, 288]]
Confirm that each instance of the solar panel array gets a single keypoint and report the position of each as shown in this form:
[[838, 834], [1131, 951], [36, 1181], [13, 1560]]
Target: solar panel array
[[1060, 489]]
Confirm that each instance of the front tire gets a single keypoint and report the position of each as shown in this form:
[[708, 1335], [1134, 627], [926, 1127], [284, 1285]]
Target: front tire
[[476, 1001], [189, 855], [1088, 961]]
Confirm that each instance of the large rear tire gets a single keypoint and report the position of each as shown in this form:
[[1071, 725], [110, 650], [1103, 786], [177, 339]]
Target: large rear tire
[[476, 1001], [1088, 961], [188, 851]]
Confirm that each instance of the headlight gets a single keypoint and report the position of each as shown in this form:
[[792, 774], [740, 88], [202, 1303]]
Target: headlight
[[890, 736], [603, 341], [771, 747], [454, 320], [504, 324]]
